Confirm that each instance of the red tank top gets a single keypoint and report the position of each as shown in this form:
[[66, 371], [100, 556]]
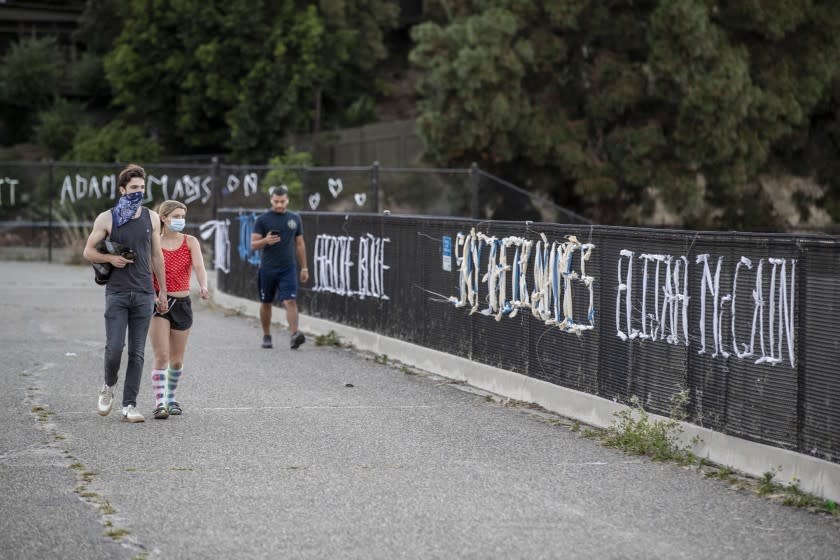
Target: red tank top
[[178, 268]]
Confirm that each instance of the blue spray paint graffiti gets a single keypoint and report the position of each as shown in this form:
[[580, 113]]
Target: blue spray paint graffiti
[[246, 228]]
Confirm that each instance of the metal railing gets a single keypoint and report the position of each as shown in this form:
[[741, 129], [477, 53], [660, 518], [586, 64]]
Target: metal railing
[[53, 204]]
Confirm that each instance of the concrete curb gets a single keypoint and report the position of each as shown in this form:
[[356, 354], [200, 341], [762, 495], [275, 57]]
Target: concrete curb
[[813, 475]]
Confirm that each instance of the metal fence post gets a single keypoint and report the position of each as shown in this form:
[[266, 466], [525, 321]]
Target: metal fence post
[[304, 182], [474, 186], [50, 178], [374, 187], [217, 186]]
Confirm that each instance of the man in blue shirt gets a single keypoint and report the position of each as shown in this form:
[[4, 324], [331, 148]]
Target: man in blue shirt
[[279, 234]]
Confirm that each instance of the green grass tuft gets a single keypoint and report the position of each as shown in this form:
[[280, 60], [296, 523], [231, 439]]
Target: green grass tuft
[[329, 339]]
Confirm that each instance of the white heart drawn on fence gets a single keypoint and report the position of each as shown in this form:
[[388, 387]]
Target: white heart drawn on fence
[[314, 200], [361, 198], [335, 186]]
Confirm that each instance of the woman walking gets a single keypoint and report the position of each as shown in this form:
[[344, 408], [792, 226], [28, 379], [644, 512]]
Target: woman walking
[[170, 330]]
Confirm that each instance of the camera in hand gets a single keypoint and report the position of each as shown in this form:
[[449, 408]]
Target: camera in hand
[[102, 271]]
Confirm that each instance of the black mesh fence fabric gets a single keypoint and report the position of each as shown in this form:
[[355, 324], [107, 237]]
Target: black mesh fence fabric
[[54, 204], [741, 325], [497, 199], [432, 192], [26, 198], [339, 189]]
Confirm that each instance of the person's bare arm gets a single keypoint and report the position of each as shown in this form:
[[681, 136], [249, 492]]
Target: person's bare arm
[[258, 241], [300, 250], [101, 229], [158, 266], [198, 265]]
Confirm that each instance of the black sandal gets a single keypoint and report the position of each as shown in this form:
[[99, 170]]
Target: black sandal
[[161, 413], [174, 408]]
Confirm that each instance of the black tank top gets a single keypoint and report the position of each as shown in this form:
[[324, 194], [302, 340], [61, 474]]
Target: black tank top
[[137, 235]]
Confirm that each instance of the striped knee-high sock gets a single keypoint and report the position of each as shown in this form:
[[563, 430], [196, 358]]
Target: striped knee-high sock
[[172, 383], [159, 386]]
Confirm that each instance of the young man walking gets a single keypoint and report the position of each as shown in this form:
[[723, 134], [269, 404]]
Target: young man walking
[[129, 293], [279, 234]]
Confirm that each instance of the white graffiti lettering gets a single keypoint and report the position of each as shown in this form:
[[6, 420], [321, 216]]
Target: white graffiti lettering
[[372, 266], [221, 242], [250, 183], [333, 259], [550, 300], [80, 187], [8, 185], [187, 188], [772, 326]]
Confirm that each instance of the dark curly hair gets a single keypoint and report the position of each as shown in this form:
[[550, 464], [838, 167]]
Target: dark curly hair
[[130, 172]]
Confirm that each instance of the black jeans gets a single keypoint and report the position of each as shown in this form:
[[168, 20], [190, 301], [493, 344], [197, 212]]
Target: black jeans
[[130, 311]]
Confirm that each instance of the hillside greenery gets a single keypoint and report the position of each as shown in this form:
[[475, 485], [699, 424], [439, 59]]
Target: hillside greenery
[[633, 108], [696, 113]]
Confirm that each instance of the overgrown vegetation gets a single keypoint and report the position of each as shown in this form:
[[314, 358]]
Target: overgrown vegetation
[[665, 112], [670, 111], [636, 433], [329, 339]]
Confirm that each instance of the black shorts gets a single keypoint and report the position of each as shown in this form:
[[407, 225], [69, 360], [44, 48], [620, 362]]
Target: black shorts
[[179, 315]]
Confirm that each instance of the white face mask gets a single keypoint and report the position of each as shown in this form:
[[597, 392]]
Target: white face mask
[[177, 224]]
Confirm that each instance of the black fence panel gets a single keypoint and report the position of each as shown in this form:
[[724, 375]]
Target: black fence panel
[[46, 205], [819, 351], [734, 332]]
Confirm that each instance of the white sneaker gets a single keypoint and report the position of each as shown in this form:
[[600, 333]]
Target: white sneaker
[[106, 400], [130, 414]]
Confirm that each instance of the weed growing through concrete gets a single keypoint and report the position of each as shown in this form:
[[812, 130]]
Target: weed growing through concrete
[[636, 433], [329, 339], [41, 413], [592, 433], [381, 359], [723, 473], [766, 485], [117, 534], [792, 495], [106, 509], [236, 312]]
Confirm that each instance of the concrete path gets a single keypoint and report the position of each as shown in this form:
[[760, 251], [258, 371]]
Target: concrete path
[[324, 453]]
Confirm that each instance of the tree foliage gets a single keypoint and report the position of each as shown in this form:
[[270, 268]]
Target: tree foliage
[[57, 126], [29, 75], [288, 169], [116, 141], [238, 76], [622, 107]]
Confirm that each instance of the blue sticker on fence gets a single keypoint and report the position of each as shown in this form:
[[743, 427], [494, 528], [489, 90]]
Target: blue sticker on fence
[[447, 253]]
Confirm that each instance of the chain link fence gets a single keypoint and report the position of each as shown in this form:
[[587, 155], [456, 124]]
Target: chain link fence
[[48, 207]]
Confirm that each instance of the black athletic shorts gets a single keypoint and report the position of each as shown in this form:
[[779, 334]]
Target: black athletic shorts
[[179, 315]]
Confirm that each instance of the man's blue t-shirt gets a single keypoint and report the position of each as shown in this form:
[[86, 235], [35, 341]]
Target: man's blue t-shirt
[[288, 225]]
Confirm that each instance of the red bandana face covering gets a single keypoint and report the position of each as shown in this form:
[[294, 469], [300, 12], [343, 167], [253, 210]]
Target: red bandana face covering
[[126, 207]]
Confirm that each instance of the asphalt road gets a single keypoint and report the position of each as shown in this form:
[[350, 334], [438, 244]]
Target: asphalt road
[[276, 456]]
